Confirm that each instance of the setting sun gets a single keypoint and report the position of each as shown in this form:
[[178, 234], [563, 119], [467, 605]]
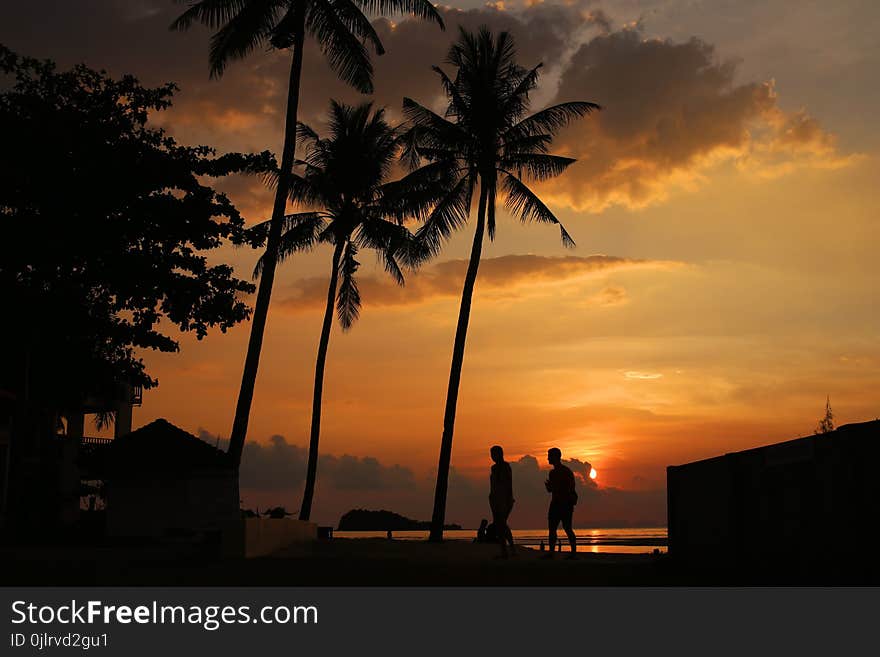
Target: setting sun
[[593, 473]]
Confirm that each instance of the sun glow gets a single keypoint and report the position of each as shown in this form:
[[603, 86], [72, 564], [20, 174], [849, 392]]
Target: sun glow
[[593, 473]]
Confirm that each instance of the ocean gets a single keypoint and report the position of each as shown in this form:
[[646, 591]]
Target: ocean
[[621, 541]]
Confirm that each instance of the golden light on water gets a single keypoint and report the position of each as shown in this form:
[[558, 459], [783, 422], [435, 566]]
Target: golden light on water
[[593, 473]]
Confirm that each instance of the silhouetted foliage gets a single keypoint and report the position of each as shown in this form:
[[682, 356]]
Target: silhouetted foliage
[[826, 424], [341, 29], [343, 179], [360, 520], [484, 140], [106, 222]]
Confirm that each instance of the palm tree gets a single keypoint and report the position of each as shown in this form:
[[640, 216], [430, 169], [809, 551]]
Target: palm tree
[[484, 140], [341, 29], [344, 180]]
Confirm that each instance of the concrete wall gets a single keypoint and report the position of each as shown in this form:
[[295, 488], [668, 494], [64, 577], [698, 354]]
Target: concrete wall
[[263, 536]]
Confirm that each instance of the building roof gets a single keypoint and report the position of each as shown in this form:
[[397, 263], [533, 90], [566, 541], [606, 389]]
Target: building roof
[[162, 448], [857, 431]]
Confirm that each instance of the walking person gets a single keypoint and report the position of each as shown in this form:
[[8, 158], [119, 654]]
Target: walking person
[[501, 498], [563, 497]]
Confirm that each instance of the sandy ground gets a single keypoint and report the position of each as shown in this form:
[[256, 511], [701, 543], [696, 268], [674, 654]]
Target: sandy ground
[[368, 562]]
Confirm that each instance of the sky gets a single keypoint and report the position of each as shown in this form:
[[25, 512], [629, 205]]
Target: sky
[[724, 281]]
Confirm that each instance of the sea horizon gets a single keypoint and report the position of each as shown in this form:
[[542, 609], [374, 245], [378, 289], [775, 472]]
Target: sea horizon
[[600, 540]]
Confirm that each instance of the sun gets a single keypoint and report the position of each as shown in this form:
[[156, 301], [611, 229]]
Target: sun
[[593, 473]]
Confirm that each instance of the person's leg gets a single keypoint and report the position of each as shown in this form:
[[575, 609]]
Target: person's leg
[[566, 525], [501, 530], [552, 522], [509, 536]]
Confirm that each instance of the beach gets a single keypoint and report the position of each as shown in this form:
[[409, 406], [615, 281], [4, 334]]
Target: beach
[[380, 562]]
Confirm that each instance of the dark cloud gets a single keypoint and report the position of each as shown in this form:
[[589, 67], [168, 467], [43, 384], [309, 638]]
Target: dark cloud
[[673, 109], [273, 474], [280, 466], [501, 277]]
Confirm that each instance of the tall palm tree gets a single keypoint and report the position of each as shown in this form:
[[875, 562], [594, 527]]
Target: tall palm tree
[[341, 29], [484, 140], [343, 180]]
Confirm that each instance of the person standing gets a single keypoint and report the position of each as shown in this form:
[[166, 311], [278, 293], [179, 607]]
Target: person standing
[[501, 498], [563, 497]]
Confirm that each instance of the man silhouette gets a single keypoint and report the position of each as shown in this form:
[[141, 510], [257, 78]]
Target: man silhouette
[[501, 497], [560, 485]]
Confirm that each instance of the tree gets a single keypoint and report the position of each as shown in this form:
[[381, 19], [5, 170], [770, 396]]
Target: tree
[[484, 140], [341, 29], [344, 180], [826, 424], [106, 223]]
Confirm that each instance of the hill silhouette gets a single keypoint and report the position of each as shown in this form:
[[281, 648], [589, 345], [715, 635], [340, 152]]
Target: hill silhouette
[[366, 520]]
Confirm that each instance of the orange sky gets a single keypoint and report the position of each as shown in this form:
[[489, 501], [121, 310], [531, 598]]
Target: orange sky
[[730, 185]]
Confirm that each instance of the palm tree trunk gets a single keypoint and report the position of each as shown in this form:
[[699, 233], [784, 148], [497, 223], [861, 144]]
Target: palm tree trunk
[[264, 292], [439, 516], [312, 470]]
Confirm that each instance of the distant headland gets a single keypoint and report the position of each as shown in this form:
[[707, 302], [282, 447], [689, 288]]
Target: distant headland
[[363, 520]]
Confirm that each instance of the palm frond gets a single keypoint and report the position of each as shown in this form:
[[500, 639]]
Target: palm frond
[[250, 27], [414, 195], [359, 25], [536, 166], [300, 232], [393, 244], [419, 8], [306, 134], [348, 297], [537, 143], [344, 51], [522, 201], [551, 119], [449, 214], [211, 13], [432, 129]]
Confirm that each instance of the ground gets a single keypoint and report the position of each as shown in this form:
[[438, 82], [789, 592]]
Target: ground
[[368, 562]]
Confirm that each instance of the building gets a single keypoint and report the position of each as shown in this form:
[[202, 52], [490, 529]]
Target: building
[[44, 460], [808, 502], [161, 481]]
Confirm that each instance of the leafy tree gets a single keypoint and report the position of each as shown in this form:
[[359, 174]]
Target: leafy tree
[[484, 140], [106, 224], [341, 29], [826, 424], [344, 179]]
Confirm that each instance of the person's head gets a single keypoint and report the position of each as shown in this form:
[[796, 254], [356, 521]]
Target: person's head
[[484, 523], [497, 453], [554, 456]]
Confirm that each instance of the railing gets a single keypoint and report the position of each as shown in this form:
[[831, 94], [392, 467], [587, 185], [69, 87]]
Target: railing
[[94, 440], [137, 395]]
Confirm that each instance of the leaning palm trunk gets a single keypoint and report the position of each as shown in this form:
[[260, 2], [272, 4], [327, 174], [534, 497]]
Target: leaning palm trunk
[[261, 309], [464, 313], [312, 469]]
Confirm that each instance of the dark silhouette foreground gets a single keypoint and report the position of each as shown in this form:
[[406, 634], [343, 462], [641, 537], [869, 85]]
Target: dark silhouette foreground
[[563, 497]]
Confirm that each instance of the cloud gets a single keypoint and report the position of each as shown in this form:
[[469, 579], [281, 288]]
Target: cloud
[[281, 466], [273, 473], [504, 277], [645, 376], [673, 111]]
